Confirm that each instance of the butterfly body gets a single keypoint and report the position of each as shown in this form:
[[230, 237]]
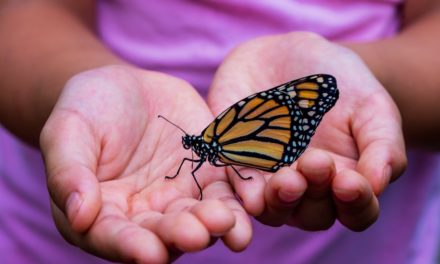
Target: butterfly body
[[205, 151], [267, 130]]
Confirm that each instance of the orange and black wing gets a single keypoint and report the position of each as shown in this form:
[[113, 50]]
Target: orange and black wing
[[315, 95], [272, 128]]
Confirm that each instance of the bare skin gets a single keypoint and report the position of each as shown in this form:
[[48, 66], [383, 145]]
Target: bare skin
[[355, 153], [111, 183], [102, 179]]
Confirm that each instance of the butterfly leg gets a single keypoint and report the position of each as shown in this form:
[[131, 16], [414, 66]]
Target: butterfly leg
[[236, 171], [178, 171], [239, 175], [195, 179]]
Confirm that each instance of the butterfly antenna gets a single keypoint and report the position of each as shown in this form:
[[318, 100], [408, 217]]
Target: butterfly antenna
[[160, 116]]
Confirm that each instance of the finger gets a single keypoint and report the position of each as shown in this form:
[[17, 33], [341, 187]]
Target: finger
[[107, 233], [183, 231], [212, 213], [238, 237], [316, 211], [178, 228], [251, 191], [380, 142], [357, 206], [104, 239], [67, 147], [220, 213], [187, 224], [382, 162], [63, 225], [282, 194], [318, 168], [313, 215], [215, 216]]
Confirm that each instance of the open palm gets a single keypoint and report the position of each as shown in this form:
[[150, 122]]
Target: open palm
[[107, 154], [356, 151]]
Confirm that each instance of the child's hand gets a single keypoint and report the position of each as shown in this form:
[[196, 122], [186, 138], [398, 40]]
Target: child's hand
[[357, 150], [107, 154]]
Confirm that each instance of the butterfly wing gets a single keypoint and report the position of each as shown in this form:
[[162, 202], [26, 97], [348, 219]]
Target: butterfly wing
[[315, 95], [272, 128]]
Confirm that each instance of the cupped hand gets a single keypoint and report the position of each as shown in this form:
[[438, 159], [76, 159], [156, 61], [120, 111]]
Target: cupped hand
[[358, 147], [107, 155]]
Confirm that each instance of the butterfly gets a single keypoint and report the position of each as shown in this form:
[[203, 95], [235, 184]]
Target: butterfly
[[266, 130]]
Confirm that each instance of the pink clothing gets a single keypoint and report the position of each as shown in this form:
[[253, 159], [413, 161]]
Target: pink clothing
[[27, 231], [189, 39]]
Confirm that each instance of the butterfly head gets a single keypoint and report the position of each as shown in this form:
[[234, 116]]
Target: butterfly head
[[187, 141], [196, 144], [193, 142]]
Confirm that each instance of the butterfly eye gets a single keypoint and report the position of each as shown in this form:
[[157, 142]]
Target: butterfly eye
[[186, 142]]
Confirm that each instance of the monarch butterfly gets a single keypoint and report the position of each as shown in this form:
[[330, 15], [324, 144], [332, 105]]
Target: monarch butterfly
[[265, 131]]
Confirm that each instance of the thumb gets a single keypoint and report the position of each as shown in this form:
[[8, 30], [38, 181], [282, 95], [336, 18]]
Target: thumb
[[381, 145], [67, 147]]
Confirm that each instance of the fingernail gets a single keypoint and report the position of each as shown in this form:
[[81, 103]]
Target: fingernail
[[387, 175], [289, 197], [73, 205], [346, 196]]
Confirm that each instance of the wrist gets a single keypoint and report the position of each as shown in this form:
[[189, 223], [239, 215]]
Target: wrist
[[373, 56], [34, 72]]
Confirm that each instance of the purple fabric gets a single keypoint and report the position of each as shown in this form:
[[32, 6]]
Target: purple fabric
[[27, 232], [406, 232], [189, 39]]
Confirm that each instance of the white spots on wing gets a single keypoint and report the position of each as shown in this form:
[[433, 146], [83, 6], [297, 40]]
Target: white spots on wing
[[304, 103], [292, 94]]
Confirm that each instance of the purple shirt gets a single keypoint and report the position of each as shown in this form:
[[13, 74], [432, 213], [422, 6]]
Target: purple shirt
[[189, 39]]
